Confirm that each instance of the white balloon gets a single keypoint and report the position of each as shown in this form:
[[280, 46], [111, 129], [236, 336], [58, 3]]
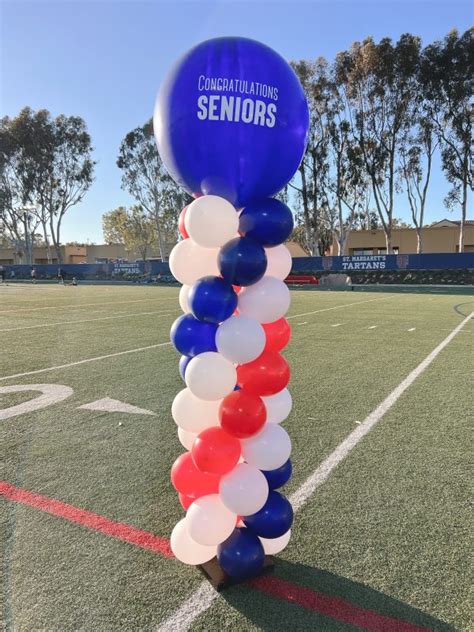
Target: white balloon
[[272, 546], [186, 438], [211, 221], [189, 262], [186, 549], [268, 449], [278, 406], [183, 298], [240, 339], [210, 376], [208, 520], [279, 262], [265, 301], [193, 414], [244, 490]]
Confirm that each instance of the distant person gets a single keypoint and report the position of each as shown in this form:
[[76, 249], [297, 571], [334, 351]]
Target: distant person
[[2, 274], [74, 281], [60, 276], [33, 275]]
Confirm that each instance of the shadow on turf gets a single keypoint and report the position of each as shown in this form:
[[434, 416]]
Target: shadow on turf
[[273, 614]]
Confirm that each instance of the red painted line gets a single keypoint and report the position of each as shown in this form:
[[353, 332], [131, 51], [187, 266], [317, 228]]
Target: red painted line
[[330, 606], [118, 530]]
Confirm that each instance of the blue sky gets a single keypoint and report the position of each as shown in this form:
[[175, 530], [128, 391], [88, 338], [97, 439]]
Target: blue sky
[[104, 61]]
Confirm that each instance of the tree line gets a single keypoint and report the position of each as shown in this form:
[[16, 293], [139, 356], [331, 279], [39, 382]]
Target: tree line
[[379, 115]]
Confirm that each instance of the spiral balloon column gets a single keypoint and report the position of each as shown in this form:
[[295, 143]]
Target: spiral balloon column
[[232, 263]]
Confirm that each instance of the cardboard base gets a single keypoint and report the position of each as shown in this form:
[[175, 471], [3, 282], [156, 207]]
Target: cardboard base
[[220, 580]]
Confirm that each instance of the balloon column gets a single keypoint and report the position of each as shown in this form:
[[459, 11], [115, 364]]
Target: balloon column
[[231, 123]]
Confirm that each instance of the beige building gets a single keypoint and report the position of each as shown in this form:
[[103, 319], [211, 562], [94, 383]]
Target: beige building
[[442, 236], [70, 254]]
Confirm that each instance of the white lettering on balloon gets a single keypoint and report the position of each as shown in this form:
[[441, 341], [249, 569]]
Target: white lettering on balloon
[[235, 109]]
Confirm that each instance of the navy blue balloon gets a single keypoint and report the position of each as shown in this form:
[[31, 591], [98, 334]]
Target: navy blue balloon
[[242, 261], [280, 476], [183, 363], [274, 518], [241, 556], [231, 119], [270, 222], [191, 336], [212, 299]]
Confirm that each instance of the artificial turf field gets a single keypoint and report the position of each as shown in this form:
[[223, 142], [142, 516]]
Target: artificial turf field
[[382, 544]]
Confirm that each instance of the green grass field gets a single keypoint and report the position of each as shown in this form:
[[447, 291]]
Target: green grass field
[[386, 533]]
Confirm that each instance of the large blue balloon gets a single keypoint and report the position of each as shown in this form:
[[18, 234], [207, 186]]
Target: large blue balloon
[[241, 556], [274, 518], [242, 261], [231, 119], [269, 222], [280, 476], [212, 299], [191, 336]]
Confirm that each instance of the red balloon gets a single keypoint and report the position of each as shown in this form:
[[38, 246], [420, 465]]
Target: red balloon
[[190, 481], [185, 501], [267, 375], [181, 227], [278, 334], [215, 452], [242, 414]]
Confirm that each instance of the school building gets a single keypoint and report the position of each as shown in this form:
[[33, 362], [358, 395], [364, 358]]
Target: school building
[[442, 236]]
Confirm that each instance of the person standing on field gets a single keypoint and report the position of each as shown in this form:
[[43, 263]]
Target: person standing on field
[[33, 275]]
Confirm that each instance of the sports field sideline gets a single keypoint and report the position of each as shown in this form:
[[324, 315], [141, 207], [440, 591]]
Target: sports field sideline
[[380, 539]]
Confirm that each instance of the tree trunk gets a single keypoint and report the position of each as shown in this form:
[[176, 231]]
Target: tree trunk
[[419, 240], [463, 215], [160, 241], [343, 248], [55, 235], [46, 240], [388, 239]]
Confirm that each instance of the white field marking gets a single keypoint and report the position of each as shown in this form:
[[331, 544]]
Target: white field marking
[[336, 325], [200, 601], [305, 323], [86, 320], [412, 329], [50, 394], [80, 305], [115, 406], [95, 359], [203, 598], [319, 476], [327, 309], [372, 327]]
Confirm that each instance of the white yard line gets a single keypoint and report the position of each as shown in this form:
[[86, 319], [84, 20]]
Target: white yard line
[[80, 305], [328, 309], [205, 595], [86, 320], [66, 366]]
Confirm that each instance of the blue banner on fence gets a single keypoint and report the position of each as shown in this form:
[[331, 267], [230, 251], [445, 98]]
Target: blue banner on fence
[[435, 261], [154, 270]]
